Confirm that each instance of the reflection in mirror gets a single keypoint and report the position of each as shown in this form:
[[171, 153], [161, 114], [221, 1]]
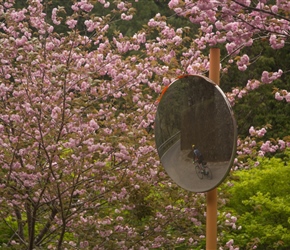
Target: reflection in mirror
[[194, 111]]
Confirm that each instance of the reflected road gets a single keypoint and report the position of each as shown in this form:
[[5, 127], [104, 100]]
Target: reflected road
[[178, 164]]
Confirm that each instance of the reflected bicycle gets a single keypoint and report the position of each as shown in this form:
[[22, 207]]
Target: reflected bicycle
[[202, 170]]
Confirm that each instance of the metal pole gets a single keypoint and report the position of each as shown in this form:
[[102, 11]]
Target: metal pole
[[211, 196]]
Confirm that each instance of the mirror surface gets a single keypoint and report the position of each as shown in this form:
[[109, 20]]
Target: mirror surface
[[195, 111]]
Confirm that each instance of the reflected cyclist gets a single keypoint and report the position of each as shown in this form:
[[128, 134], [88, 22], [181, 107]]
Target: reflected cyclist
[[197, 156]]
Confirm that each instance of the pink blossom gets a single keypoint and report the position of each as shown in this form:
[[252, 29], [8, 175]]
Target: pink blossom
[[268, 77], [121, 6], [1, 128], [84, 244], [91, 25], [242, 67], [152, 23], [86, 6], [278, 96], [261, 132], [268, 147], [173, 3], [50, 29], [93, 124], [21, 41], [75, 7], [107, 5], [108, 131], [54, 16], [243, 62], [49, 46], [274, 9], [287, 97], [277, 42], [177, 40], [71, 23], [126, 17], [252, 84], [253, 143], [242, 93], [18, 16], [282, 144], [83, 5], [179, 240], [230, 47], [230, 243]]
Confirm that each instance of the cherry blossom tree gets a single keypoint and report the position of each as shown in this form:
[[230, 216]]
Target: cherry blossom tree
[[78, 164], [77, 111]]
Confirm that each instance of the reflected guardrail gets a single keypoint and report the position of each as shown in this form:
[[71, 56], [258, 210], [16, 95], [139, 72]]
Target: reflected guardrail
[[168, 143]]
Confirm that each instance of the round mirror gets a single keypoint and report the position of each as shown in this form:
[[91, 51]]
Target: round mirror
[[195, 133]]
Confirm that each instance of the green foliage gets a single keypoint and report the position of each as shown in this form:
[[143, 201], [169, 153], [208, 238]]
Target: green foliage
[[261, 199], [5, 232]]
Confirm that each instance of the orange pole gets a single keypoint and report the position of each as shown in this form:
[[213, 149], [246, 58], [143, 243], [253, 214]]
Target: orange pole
[[211, 196]]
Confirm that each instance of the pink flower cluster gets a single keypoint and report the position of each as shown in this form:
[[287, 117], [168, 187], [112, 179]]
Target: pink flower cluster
[[71, 23], [254, 147], [82, 5], [234, 27], [54, 17], [266, 78], [259, 133], [230, 245], [268, 147], [282, 95], [243, 62]]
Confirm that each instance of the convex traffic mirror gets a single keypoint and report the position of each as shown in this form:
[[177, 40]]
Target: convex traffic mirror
[[195, 111]]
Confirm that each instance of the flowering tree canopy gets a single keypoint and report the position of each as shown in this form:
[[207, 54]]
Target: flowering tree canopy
[[77, 110], [238, 25]]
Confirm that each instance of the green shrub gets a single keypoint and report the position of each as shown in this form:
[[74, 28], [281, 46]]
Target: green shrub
[[260, 198]]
